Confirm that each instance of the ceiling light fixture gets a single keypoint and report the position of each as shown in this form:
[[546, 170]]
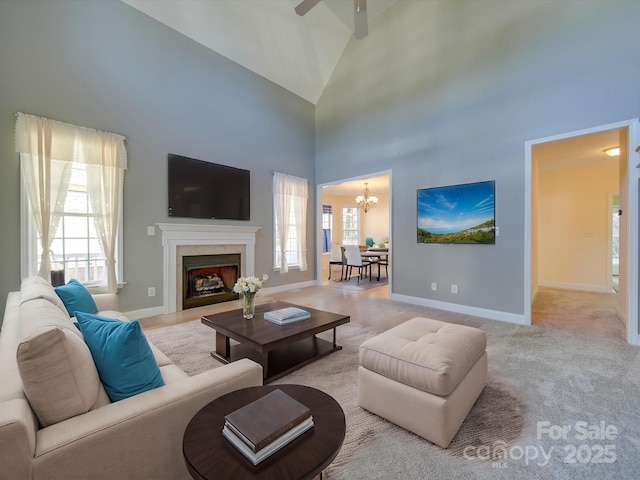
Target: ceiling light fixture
[[613, 151], [366, 201]]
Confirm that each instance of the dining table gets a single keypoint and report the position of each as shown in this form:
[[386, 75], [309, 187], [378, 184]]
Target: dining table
[[376, 253]]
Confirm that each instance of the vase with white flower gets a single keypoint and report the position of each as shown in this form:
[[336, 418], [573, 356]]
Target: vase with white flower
[[248, 287]]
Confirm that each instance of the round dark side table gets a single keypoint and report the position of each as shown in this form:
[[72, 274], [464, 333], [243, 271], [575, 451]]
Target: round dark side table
[[209, 455]]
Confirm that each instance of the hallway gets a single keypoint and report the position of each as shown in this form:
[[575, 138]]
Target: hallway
[[579, 311]]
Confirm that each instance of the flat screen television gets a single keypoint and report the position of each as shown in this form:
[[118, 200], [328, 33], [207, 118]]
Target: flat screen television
[[199, 189]]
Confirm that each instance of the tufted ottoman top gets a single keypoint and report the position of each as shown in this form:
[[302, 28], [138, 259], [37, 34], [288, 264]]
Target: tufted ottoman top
[[426, 354]]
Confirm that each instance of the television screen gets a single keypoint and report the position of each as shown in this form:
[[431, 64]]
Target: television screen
[[199, 189], [457, 214]]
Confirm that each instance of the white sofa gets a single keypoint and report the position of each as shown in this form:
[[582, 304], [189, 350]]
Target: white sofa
[[135, 438]]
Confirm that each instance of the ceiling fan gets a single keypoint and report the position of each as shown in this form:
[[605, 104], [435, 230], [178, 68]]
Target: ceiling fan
[[359, 14]]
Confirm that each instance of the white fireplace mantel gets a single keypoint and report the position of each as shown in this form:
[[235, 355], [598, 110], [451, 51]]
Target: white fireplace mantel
[[226, 237]]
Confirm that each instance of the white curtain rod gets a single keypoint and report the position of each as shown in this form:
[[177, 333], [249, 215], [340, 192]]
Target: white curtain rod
[[70, 124]]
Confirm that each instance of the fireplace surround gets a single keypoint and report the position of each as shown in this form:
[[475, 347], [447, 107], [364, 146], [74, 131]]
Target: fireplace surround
[[186, 239]]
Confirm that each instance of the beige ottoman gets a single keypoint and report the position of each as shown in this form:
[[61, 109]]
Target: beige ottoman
[[423, 375]]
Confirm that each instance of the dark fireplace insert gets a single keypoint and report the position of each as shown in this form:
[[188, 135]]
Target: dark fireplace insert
[[209, 279]]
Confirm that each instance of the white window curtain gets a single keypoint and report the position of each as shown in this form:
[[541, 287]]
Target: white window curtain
[[105, 183], [291, 194], [47, 149]]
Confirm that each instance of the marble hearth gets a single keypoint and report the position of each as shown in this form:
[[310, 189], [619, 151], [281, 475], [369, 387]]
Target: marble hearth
[[179, 240]]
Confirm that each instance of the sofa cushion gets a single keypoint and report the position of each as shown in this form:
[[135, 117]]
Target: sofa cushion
[[122, 355], [37, 287], [172, 374], [38, 314], [59, 377], [76, 298], [426, 354], [35, 279]]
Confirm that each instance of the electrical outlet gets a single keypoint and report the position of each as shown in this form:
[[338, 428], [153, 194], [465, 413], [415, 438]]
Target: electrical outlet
[[151, 230], [454, 288], [152, 291], [434, 286]]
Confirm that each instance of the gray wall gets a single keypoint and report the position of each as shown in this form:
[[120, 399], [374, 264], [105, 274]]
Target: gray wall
[[447, 92], [104, 65]]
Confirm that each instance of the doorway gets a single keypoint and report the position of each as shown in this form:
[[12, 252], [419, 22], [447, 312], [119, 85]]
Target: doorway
[[614, 250], [569, 223], [371, 227]]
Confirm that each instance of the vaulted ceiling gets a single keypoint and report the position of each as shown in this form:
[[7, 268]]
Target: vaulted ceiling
[[298, 53]]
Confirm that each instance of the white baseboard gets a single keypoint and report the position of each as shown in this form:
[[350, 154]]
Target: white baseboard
[[576, 286], [145, 312], [289, 287], [465, 309], [449, 307], [160, 310]]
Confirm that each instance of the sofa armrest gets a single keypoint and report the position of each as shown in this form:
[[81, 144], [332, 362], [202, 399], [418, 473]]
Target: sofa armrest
[[139, 437], [106, 301], [17, 439]]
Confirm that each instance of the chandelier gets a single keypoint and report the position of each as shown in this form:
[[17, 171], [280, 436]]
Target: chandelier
[[366, 201]]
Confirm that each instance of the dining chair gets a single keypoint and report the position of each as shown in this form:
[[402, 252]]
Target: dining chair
[[383, 261], [337, 257], [354, 259]]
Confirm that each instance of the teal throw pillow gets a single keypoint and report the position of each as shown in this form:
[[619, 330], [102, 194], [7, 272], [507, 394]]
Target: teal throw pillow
[[76, 297], [122, 355]]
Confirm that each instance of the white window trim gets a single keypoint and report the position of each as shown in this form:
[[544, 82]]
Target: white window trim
[[330, 227], [29, 250], [358, 232]]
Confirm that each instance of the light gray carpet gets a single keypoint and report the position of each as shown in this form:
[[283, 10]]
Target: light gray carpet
[[536, 375]]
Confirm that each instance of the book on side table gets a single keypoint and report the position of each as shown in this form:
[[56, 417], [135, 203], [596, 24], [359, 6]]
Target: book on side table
[[264, 426], [286, 315]]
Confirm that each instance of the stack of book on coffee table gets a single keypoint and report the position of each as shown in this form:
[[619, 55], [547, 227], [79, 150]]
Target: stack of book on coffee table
[[286, 315], [264, 426]]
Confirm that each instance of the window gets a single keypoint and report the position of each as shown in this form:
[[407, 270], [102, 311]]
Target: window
[[291, 246], [327, 224], [290, 196], [72, 184], [76, 246], [350, 227]]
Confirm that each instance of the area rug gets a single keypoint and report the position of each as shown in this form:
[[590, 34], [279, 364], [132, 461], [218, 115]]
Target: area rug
[[359, 287], [539, 384]]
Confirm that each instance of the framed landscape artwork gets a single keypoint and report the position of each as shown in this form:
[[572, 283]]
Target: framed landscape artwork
[[457, 214]]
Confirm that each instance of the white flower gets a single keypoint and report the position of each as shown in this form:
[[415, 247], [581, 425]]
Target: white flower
[[249, 284]]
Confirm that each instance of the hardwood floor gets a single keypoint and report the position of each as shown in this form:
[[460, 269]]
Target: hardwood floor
[[371, 308], [566, 310]]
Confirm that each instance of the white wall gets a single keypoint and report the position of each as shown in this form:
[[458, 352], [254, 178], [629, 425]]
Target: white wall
[[573, 228]]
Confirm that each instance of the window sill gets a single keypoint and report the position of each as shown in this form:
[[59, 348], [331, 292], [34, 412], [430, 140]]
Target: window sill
[[291, 267], [97, 288]]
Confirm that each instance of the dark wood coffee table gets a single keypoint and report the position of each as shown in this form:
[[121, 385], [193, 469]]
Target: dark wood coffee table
[[208, 455], [280, 349]]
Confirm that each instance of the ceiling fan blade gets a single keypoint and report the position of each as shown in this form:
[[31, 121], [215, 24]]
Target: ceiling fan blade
[[360, 18], [305, 5]]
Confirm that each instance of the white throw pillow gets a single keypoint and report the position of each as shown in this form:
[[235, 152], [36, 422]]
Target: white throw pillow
[[58, 374]]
